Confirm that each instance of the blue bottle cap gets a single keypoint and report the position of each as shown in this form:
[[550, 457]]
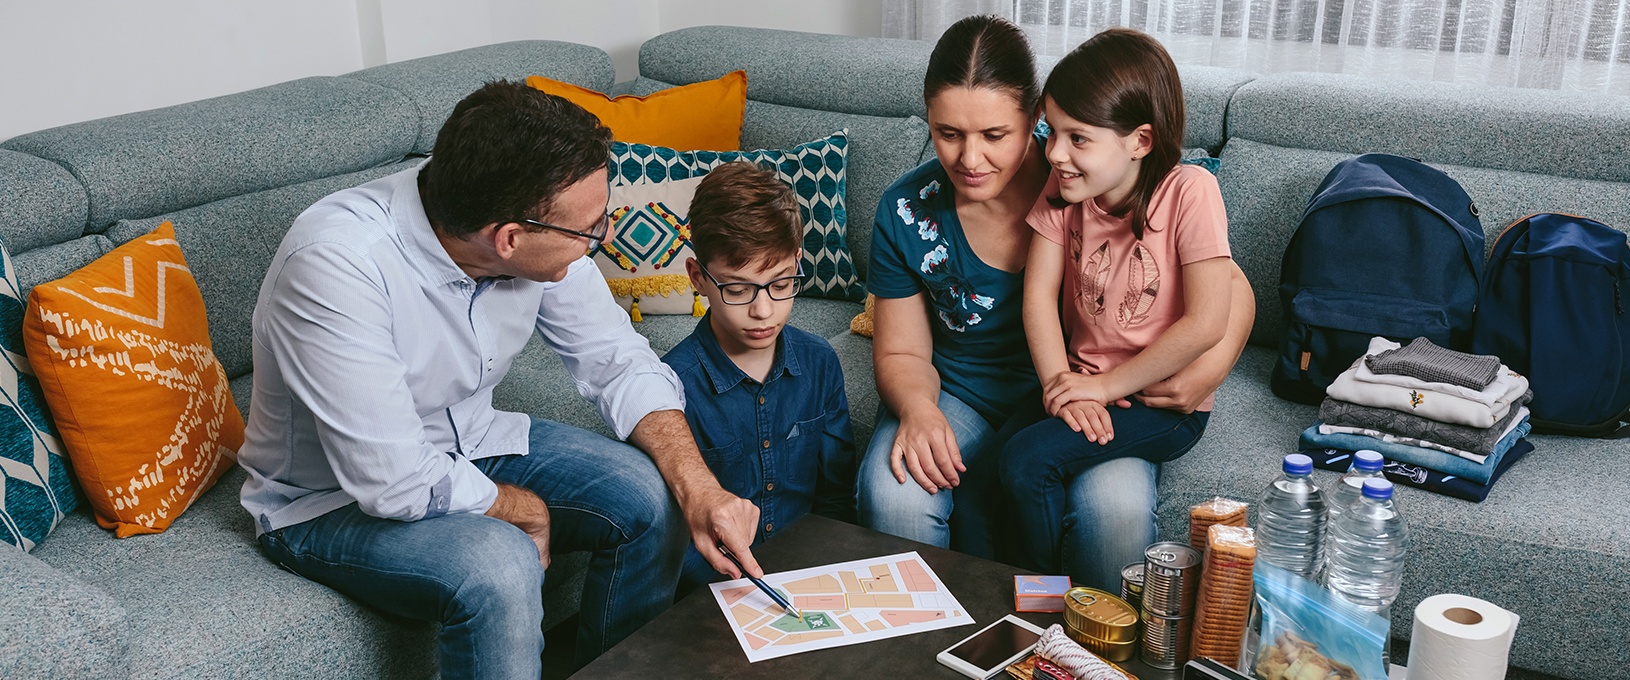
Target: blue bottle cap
[[1377, 488], [1298, 464], [1368, 461]]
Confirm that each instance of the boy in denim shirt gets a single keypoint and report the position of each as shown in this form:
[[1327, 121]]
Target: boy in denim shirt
[[764, 400]]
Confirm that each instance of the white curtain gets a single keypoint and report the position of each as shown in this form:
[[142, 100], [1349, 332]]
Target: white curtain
[[1553, 44]]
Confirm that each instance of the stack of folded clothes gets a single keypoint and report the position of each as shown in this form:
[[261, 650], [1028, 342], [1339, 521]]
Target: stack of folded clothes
[[1446, 421]]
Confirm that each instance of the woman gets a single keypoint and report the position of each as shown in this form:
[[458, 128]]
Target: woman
[[947, 267]]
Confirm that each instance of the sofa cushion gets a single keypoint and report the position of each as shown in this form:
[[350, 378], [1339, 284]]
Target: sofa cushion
[[56, 261], [1551, 543], [1571, 134], [42, 204], [1266, 188], [435, 84], [58, 626], [143, 164], [230, 244]]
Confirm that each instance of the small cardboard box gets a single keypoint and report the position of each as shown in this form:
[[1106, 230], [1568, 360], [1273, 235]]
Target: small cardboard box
[[1039, 593]]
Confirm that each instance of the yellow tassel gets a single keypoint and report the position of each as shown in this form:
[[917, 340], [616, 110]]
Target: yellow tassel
[[696, 305], [634, 311]]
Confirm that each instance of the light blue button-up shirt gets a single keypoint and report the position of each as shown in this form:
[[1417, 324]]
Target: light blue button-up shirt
[[376, 356]]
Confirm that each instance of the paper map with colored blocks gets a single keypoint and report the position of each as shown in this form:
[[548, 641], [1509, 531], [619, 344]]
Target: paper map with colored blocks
[[843, 604]]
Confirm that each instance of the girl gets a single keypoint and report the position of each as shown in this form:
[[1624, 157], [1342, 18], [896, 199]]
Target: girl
[[1137, 245], [947, 259]]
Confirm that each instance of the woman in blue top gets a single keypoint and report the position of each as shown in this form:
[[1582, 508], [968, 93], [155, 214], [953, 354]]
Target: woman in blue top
[[951, 361]]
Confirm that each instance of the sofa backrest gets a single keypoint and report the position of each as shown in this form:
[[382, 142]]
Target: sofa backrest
[[233, 172], [801, 86], [1515, 151]]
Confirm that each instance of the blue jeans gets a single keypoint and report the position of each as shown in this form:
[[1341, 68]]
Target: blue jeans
[[479, 576], [906, 510], [1086, 508]]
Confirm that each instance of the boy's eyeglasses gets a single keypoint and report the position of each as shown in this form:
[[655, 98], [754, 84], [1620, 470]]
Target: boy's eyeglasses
[[595, 235], [742, 293]]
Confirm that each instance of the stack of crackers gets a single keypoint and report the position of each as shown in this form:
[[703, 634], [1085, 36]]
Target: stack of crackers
[[1218, 510], [1224, 602]]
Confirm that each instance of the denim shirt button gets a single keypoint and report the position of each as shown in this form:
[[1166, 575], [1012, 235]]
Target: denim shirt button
[[766, 443], [769, 487]]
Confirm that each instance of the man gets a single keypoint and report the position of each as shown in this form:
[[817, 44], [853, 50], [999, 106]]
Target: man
[[377, 464]]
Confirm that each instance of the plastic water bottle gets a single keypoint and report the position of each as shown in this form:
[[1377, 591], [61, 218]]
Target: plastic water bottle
[[1366, 564], [1366, 465], [1291, 519]]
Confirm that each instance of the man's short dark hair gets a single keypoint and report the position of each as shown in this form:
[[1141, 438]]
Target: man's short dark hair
[[742, 213], [505, 153]]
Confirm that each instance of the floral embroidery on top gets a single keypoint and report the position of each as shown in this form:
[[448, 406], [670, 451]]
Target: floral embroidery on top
[[934, 260], [953, 297], [929, 190]]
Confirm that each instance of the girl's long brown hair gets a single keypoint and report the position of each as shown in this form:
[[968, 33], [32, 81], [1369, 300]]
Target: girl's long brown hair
[[1121, 79]]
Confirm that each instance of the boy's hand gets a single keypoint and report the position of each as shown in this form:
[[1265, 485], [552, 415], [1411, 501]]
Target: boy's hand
[[1089, 418], [926, 446], [1067, 386]]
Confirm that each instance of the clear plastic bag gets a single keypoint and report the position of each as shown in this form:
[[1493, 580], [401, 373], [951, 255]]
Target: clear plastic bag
[[1218, 510], [1309, 633]]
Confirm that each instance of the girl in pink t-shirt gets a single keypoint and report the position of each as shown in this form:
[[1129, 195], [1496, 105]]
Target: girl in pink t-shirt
[[1128, 284]]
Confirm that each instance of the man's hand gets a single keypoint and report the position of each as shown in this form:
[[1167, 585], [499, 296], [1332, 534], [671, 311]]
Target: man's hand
[[1183, 392], [1068, 386], [926, 446], [1089, 418], [522, 508], [713, 515]]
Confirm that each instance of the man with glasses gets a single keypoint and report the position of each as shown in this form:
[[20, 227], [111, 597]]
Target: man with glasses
[[377, 464], [765, 400]]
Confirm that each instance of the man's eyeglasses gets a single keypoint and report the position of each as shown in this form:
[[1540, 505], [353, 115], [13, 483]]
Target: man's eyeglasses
[[594, 235], [742, 293]]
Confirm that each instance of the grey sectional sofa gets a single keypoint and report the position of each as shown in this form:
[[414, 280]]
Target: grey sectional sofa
[[200, 601]]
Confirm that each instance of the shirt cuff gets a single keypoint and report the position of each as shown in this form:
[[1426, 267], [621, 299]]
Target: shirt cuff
[[650, 391], [464, 489]]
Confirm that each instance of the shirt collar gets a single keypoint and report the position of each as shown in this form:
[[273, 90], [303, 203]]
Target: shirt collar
[[408, 208], [723, 373]]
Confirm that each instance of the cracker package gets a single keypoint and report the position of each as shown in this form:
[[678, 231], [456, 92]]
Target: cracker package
[[1224, 602], [1309, 633], [1218, 510]]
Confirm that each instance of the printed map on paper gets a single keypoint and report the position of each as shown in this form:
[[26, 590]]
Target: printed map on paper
[[843, 604]]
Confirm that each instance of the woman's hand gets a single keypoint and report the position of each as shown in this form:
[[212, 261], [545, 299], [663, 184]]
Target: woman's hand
[[1067, 386], [1089, 418], [926, 446]]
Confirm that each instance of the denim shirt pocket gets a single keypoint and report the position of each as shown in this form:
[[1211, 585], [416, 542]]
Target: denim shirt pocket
[[803, 457], [734, 469]]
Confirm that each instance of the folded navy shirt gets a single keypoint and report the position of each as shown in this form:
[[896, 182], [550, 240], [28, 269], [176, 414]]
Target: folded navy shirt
[[1340, 460]]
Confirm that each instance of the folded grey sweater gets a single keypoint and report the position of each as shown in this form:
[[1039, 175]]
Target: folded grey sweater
[[1423, 360]]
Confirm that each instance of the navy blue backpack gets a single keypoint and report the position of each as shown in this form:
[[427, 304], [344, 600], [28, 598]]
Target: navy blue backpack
[[1387, 246], [1553, 309]]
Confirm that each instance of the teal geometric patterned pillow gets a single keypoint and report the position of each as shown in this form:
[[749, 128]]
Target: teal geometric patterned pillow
[[814, 170], [36, 489]]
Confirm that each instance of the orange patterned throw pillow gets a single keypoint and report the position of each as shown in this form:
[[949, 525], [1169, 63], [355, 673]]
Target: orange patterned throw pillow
[[123, 355]]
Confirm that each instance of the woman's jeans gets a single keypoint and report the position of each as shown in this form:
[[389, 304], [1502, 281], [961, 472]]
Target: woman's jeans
[[1086, 509]]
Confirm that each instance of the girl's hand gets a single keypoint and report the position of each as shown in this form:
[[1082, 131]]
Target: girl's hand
[[1067, 386], [1089, 418], [926, 446]]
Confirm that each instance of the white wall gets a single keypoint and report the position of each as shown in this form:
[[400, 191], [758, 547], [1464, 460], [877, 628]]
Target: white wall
[[74, 60]]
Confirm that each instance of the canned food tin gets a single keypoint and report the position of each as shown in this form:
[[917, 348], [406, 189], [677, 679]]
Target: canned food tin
[[1111, 651], [1132, 584], [1166, 640], [1171, 578], [1100, 615]]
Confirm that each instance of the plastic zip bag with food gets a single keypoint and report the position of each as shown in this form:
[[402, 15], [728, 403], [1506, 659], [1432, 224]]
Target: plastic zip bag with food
[[1309, 633]]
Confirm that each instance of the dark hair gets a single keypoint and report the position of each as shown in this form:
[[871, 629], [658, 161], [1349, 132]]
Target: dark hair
[[1121, 79], [988, 52], [740, 213], [505, 153]]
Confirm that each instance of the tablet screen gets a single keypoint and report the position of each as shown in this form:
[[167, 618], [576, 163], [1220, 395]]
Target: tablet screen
[[995, 645]]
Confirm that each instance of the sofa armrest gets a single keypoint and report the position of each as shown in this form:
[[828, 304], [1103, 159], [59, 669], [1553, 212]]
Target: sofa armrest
[[57, 626]]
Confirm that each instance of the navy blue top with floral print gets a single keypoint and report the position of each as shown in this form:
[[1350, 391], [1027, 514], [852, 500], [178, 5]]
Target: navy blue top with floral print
[[976, 310]]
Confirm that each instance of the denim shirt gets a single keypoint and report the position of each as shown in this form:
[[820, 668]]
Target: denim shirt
[[376, 357], [785, 444]]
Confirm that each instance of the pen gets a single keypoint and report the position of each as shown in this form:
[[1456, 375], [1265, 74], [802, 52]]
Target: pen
[[786, 606]]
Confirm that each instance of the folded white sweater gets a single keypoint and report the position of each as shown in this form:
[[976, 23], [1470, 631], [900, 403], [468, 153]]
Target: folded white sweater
[[1432, 404]]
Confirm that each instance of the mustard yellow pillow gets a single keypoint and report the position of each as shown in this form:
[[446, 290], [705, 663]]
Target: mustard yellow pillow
[[122, 352], [703, 116]]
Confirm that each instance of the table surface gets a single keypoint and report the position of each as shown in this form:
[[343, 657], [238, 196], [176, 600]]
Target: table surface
[[693, 640]]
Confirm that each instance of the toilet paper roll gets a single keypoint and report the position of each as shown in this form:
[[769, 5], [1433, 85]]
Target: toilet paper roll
[[1460, 638]]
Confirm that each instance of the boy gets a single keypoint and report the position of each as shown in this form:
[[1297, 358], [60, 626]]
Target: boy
[[765, 400]]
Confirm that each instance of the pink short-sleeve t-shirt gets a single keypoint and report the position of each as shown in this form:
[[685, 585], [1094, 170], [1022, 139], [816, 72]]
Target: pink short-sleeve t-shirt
[[1119, 293]]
